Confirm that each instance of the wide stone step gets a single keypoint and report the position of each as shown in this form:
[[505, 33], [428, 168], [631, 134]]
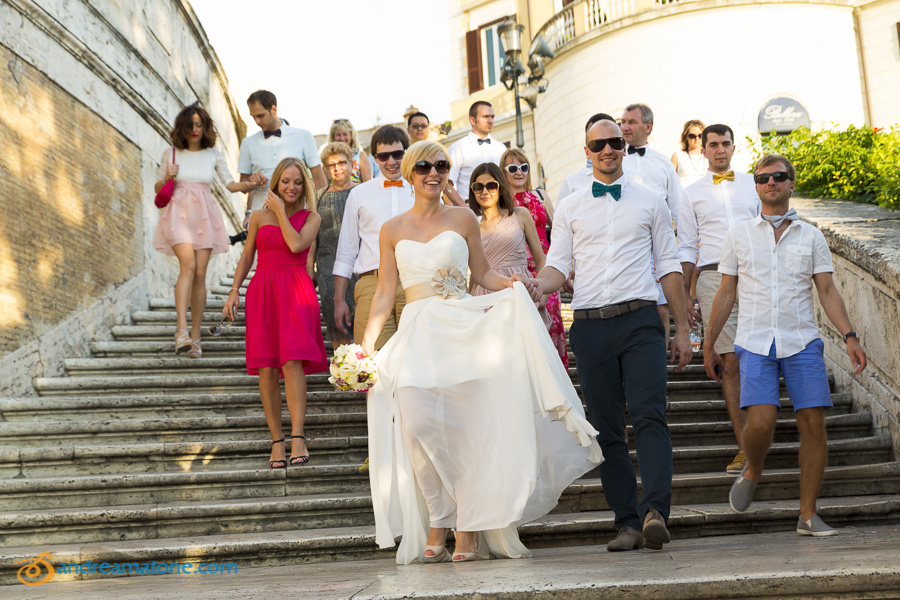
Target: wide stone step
[[134, 405], [293, 545], [347, 509], [221, 470], [161, 384], [173, 406], [165, 317], [697, 411], [215, 430]]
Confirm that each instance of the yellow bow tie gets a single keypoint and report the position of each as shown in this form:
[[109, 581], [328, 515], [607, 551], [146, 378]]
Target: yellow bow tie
[[717, 179]]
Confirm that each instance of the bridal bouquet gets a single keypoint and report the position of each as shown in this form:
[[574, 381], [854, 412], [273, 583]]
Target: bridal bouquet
[[352, 370]]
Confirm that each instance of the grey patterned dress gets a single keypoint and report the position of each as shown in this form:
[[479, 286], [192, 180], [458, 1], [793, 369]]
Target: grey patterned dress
[[330, 207]]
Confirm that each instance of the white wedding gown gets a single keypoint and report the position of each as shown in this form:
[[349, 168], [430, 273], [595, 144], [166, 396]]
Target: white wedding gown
[[473, 416]]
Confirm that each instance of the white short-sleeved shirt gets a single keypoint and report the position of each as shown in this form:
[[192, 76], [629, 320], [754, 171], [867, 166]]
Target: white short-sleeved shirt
[[654, 169], [611, 243], [369, 206], [261, 154], [708, 211], [775, 283], [466, 154]]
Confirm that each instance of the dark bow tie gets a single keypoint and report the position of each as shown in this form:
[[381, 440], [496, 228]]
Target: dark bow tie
[[268, 134], [484, 141], [614, 190], [639, 151]]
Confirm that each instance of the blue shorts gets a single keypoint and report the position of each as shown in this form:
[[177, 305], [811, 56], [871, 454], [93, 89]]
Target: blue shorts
[[804, 376]]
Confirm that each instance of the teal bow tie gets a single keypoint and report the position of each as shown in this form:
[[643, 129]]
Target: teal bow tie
[[613, 190]]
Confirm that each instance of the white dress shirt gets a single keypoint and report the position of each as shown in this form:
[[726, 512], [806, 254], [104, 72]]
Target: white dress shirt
[[655, 170], [775, 283], [466, 154], [261, 154], [369, 206], [708, 211], [578, 180], [612, 242]]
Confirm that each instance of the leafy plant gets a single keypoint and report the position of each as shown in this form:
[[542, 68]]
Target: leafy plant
[[859, 163]]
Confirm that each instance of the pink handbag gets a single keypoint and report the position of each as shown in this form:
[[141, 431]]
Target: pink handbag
[[164, 195]]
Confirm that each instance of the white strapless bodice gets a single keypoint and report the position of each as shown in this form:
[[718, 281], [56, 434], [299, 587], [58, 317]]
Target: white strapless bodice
[[417, 262]]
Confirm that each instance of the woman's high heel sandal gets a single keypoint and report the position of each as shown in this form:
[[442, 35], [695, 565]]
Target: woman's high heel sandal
[[278, 464], [463, 556], [298, 460], [438, 554], [182, 341], [195, 351]]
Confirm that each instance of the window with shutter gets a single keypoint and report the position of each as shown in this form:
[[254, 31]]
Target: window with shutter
[[473, 60]]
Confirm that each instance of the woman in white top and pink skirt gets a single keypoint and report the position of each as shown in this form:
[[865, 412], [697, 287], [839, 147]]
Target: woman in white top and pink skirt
[[191, 226]]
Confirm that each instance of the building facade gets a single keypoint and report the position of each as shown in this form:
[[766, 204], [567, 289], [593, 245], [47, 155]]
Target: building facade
[[750, 64]]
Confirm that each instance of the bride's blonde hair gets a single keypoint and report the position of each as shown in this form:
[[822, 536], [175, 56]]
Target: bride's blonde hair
[[420, 151]]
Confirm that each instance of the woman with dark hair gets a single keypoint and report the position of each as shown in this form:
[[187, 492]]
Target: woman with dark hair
[[689, 162], [191, 226], [284, 333], [514, 164], [507, 231]]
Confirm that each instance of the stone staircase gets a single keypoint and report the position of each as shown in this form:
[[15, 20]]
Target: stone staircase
[[138, 455]]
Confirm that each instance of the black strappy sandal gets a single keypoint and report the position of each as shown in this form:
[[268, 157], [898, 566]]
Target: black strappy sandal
[[298, 460], [278, 464]]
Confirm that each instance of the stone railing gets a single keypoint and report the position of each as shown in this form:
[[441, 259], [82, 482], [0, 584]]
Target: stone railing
[[583, 16], [865, 248]]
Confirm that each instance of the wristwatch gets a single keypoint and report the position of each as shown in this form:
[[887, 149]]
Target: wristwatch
[[849, 335]]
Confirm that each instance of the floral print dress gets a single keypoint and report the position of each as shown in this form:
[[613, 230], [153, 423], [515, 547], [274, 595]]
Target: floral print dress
[[529, 200]]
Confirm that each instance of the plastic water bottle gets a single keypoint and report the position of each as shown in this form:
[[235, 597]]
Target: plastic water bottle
[[696, 330]]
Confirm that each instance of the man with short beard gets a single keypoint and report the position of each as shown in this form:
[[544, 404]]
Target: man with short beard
[[771, 263], [368, 207], [611, 229], [709, 208]]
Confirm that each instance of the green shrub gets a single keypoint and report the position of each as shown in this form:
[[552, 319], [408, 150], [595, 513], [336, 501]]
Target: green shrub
[[859, 163]]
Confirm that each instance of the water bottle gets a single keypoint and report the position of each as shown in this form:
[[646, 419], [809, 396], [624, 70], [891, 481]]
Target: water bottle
[[696, 331]]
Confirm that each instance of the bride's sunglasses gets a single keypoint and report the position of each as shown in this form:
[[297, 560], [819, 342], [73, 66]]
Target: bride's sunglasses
[[423, 167], [513, 169]]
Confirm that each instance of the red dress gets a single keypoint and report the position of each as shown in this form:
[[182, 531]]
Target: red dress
[[557, 331], [282, 311]]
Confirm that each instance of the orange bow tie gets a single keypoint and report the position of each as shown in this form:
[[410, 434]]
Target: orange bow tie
[[397, 183], [717, 179]]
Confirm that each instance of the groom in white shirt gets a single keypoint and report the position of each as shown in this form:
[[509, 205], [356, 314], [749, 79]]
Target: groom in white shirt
[[369, 206]]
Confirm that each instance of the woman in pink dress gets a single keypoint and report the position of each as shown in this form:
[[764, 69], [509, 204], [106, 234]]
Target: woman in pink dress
[[284, 333], [515, 166], [191, 226]]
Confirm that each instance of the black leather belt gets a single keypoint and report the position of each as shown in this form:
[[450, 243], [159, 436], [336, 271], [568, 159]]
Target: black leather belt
[[613, 310], [712, 267]]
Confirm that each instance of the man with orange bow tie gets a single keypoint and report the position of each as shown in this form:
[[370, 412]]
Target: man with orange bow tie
[[368, 207]]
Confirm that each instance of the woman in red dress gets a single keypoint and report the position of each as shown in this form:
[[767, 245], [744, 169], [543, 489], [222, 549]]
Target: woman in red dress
[[284, 333], [515, 166]]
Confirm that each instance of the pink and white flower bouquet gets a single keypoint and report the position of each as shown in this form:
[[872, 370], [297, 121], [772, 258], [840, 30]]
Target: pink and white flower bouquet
[[352, 370]]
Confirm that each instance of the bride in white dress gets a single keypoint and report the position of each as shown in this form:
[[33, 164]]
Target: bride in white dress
[[474, 424]]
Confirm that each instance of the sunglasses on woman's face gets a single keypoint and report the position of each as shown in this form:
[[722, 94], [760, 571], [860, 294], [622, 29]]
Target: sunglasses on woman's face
[[513, 169], [616, 143], [384, 156], [491, 186], [763, 178], [423, 167], [695, 136]]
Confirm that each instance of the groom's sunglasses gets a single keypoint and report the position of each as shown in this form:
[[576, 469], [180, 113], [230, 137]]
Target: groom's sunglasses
[[616, 143]]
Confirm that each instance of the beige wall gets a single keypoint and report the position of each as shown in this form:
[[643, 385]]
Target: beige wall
[[880, 48], [89, 92]]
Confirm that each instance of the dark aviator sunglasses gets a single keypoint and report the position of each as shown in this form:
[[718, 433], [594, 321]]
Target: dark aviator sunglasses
[[396, 155], [491, 186], [616, 143], [763, 178]]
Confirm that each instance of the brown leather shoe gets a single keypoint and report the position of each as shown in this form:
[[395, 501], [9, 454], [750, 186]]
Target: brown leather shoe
[[655, 532], [628, 538]]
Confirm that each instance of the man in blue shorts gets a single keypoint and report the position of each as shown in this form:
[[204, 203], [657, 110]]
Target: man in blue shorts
[[770, 263]]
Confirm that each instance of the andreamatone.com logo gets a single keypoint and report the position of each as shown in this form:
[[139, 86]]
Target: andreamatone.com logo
[[39, 569]]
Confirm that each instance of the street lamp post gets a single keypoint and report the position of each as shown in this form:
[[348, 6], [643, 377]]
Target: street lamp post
[[510, 34]]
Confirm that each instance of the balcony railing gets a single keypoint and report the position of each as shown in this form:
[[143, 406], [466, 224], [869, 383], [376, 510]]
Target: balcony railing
[[585, 15]]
